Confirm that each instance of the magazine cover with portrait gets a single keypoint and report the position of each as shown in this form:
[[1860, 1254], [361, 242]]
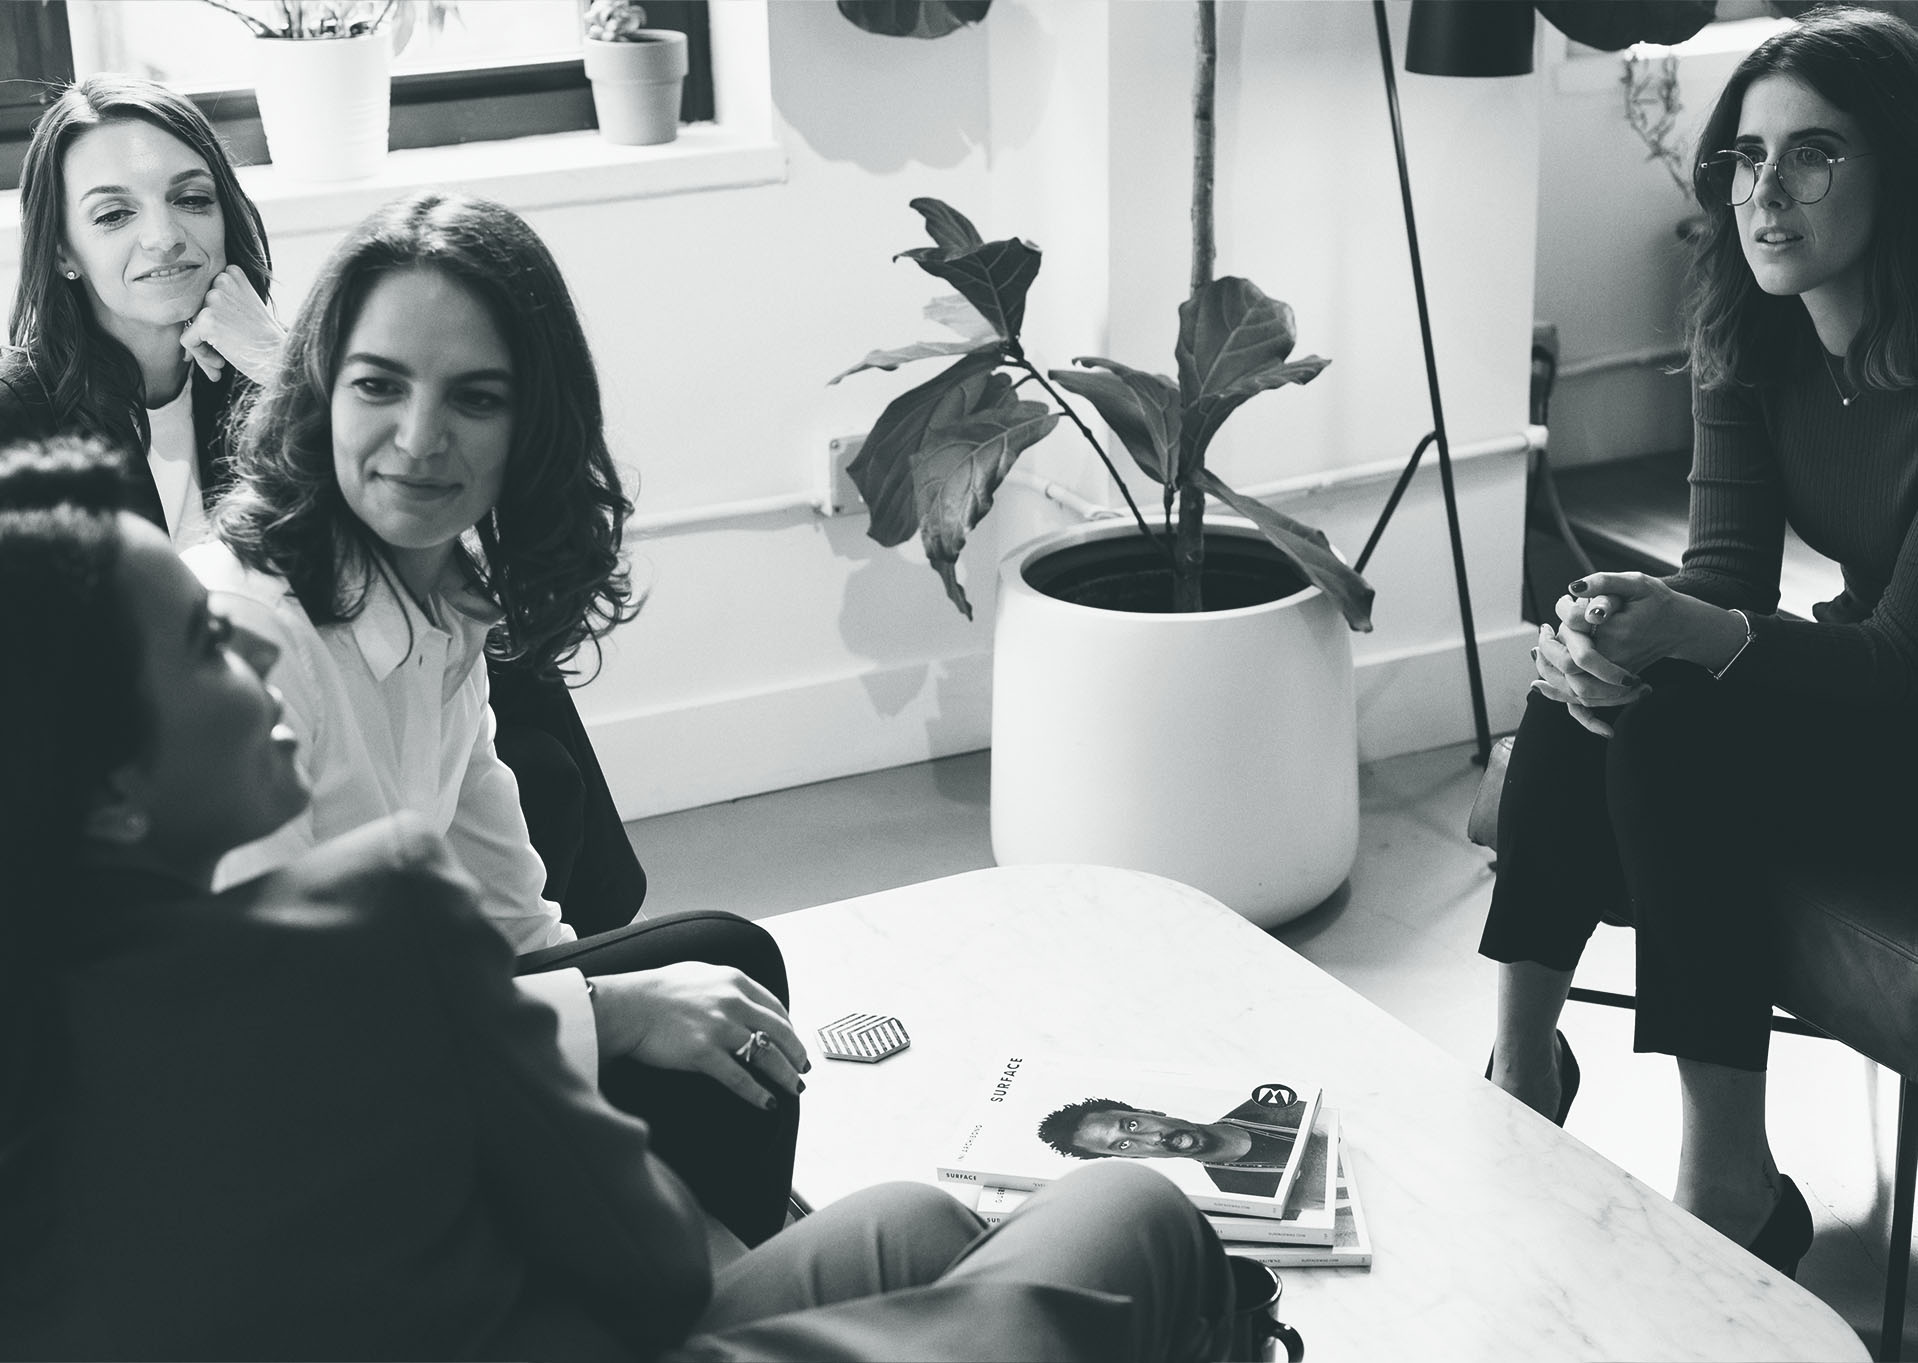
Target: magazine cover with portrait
[[1231, 1141]]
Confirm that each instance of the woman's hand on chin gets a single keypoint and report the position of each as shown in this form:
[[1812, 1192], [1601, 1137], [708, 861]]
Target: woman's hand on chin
[[233, 327]]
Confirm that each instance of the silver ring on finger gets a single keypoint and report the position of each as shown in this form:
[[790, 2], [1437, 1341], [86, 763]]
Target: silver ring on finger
[[750, 1048]]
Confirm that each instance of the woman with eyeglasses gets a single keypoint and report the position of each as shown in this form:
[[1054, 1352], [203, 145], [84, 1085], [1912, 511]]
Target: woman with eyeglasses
[[310, 1117], [1682, 733]]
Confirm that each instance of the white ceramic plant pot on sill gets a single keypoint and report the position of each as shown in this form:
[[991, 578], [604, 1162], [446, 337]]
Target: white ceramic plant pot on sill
[[1218, 749], [324, 103], [636, 86]]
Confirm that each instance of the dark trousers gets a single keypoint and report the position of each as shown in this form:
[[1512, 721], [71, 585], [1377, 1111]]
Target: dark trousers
[[1674, 824], [1110, 1263], [736, 1158], [592, 872]]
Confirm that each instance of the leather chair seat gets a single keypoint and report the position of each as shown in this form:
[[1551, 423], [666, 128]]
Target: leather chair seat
[[1848, 953]]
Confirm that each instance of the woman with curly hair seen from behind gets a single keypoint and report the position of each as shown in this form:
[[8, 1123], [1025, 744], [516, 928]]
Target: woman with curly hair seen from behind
[[309, 1117], [424, 479]]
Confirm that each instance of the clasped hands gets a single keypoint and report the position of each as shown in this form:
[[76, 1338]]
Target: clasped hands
[[1610, 625]]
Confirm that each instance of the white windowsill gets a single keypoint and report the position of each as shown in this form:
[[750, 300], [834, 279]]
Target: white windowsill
[[526, 173]]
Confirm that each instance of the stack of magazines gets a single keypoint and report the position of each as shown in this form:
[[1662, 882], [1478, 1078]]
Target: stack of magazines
[[1231, 1142]]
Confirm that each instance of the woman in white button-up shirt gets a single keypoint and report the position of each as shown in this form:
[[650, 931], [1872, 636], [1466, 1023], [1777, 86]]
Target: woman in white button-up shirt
[[426, 471]]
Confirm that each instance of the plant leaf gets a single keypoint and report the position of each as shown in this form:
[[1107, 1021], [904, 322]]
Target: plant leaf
[[953, 312], [914, 18], [993, 278], [1228, 330], [1204, 417], [1234, 342], [1142, 409], [1308, 549], [918, 350], [882, 470], [959, 467], [950, 229]]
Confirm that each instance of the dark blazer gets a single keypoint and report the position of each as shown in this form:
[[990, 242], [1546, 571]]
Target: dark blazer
[[312, 1118], [27, 413]]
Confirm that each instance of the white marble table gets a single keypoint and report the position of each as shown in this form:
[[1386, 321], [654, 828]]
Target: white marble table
[[1496, 1235]]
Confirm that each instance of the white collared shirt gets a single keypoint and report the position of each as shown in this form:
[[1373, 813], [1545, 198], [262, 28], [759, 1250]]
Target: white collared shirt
[[390, 710]]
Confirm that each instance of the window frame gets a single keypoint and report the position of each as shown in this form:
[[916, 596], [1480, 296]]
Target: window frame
[[429, 108]]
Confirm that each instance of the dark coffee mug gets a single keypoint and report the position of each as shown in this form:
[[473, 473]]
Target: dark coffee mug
[[1255, 1313]]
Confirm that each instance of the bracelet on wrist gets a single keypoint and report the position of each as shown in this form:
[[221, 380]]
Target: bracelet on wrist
[[1718, 673]]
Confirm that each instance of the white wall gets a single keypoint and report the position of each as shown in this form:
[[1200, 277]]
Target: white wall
[[786, 648], [1610, 265]]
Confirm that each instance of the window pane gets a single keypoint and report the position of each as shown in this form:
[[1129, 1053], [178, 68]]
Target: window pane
[[193, 46]]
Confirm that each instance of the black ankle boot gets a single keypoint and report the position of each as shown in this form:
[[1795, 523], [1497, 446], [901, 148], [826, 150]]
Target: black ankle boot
[[1786, 1234], [1567, 1078]]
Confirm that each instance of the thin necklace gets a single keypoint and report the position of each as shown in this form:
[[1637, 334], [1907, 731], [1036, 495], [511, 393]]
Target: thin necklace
[[1847, 401]]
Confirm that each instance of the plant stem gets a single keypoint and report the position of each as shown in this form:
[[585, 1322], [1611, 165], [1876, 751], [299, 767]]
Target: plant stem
[[1204, 100], [260, 30], [1188, 564], [1097, 448]]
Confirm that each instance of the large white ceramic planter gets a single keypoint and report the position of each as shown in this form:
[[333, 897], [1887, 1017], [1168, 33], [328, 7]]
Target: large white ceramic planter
[[324, 103], [636, 86], [1218, 749]]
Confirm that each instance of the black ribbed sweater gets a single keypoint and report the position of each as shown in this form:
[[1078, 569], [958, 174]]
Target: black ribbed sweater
[[1846, 479]]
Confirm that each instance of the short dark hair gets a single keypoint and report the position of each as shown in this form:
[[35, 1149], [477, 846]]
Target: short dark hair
[[1864, 62], [549, 549], [70, 713], [1059, 1126], [92, 381]]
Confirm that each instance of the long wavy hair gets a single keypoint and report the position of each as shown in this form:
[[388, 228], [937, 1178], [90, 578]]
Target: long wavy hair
[[94, 381], [548, 553], [1864, 62], [71, 711]]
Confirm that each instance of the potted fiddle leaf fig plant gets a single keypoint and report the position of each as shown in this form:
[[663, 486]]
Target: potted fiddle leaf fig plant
[[637, 73], [1176, 697], [322, 72]]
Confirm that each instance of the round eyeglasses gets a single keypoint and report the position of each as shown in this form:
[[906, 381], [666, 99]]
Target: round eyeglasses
[[1804, 173]]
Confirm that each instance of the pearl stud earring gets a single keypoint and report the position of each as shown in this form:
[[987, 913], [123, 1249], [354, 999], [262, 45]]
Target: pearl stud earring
[[73, 274]]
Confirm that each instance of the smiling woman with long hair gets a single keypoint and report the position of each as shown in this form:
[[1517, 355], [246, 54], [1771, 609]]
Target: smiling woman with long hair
[[140, 311], [423, 482], [1682, 731]]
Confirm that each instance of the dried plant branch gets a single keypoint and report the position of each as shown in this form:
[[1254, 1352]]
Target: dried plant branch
[[1652, 108]]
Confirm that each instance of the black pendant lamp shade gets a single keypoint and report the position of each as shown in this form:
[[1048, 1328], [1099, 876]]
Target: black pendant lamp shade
[[1470, 38]]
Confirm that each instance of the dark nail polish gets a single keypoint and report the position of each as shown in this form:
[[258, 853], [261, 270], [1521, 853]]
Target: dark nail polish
[[1579, 586], [802, 1085]]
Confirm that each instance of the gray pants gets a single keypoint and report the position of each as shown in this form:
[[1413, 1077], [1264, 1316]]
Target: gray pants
[[1109, 1264]]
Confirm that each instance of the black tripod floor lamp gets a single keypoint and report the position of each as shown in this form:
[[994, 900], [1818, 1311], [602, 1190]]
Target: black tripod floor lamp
[[1447, 38]]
